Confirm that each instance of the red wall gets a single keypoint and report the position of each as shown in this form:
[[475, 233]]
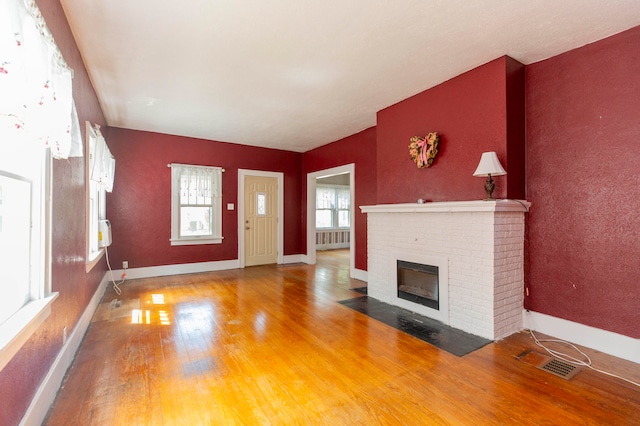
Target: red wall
[[359, 149], [581, 176], [470, 114], [583, 133], [19, 380], [139, 208]]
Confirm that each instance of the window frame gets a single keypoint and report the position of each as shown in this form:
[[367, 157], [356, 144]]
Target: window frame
[[18, 328], [95, 194], [216, 236]]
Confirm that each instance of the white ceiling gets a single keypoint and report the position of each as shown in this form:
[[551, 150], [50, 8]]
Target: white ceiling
[[297, 74]]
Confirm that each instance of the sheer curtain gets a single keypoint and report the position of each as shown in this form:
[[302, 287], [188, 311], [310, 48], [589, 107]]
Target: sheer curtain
[[333, 197], [36, 105], [344, 198], [198, 185], [102, 165], [325, 197]]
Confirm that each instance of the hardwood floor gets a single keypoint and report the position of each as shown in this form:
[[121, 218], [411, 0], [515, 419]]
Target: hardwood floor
[[269, 345]]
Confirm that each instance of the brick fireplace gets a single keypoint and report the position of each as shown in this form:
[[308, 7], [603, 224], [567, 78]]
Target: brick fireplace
[[478, 248]]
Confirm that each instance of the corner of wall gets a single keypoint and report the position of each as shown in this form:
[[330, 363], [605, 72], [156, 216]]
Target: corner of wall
[[516, 136]]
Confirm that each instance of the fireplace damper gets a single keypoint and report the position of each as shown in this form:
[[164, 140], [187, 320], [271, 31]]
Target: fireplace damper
[[418, 283]]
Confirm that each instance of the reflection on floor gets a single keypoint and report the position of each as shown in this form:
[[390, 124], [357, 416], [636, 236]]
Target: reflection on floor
[[271, 345]]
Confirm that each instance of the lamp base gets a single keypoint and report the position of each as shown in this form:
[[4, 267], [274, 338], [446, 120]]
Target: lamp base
[[489, 187]]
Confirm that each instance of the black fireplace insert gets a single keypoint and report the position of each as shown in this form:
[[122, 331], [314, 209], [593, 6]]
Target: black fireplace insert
[[418, 283]]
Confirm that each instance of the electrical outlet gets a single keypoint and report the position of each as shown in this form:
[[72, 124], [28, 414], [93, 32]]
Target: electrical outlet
[[125, 264]]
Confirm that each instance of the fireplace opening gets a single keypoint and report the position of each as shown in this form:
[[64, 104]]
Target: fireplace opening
[[418, 283]]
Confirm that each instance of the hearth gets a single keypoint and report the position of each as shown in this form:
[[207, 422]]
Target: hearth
[[418, 283]]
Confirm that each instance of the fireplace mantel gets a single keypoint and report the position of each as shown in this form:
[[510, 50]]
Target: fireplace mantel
[[478, 247], [451, 207]]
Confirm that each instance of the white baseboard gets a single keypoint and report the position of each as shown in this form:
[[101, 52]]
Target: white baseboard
[[293, 258], [178, 269], [601, 340], [360, 274], [50, 385]]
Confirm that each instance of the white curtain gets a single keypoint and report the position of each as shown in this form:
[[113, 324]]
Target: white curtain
[[36, 103], [333, 197], [198, 184], [325, 197], [102, 165], [344, 198]]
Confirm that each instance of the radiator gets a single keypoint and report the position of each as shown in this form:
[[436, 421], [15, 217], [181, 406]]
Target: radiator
[[332, 239]]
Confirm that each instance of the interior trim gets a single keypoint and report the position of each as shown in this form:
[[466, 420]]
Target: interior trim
[[601, 340], [46, 393]]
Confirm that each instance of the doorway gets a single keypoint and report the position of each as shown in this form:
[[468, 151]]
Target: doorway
[[260, 224], [311, 212]]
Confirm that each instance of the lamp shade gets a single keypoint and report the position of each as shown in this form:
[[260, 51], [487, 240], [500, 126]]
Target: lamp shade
[[489, 165]]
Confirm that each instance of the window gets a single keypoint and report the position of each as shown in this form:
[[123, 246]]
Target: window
[[100, 173], [261, 204], [196, 204], [24, 244], [15, 241], [38, 122], [332, 206]]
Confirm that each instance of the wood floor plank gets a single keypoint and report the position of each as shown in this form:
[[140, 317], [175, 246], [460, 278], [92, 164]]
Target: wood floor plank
[[270, 345]]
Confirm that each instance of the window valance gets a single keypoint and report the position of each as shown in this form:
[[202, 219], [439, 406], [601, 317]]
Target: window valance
[[102, 165], [36, 105]]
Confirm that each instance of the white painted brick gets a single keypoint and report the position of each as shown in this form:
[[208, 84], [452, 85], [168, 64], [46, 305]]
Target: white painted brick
[[485, 263]]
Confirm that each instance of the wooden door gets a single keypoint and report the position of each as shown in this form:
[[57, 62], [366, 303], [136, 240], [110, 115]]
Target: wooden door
[[260, 220]]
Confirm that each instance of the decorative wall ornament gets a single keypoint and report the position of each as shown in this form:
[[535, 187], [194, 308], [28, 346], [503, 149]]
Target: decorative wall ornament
[[423, 150]]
